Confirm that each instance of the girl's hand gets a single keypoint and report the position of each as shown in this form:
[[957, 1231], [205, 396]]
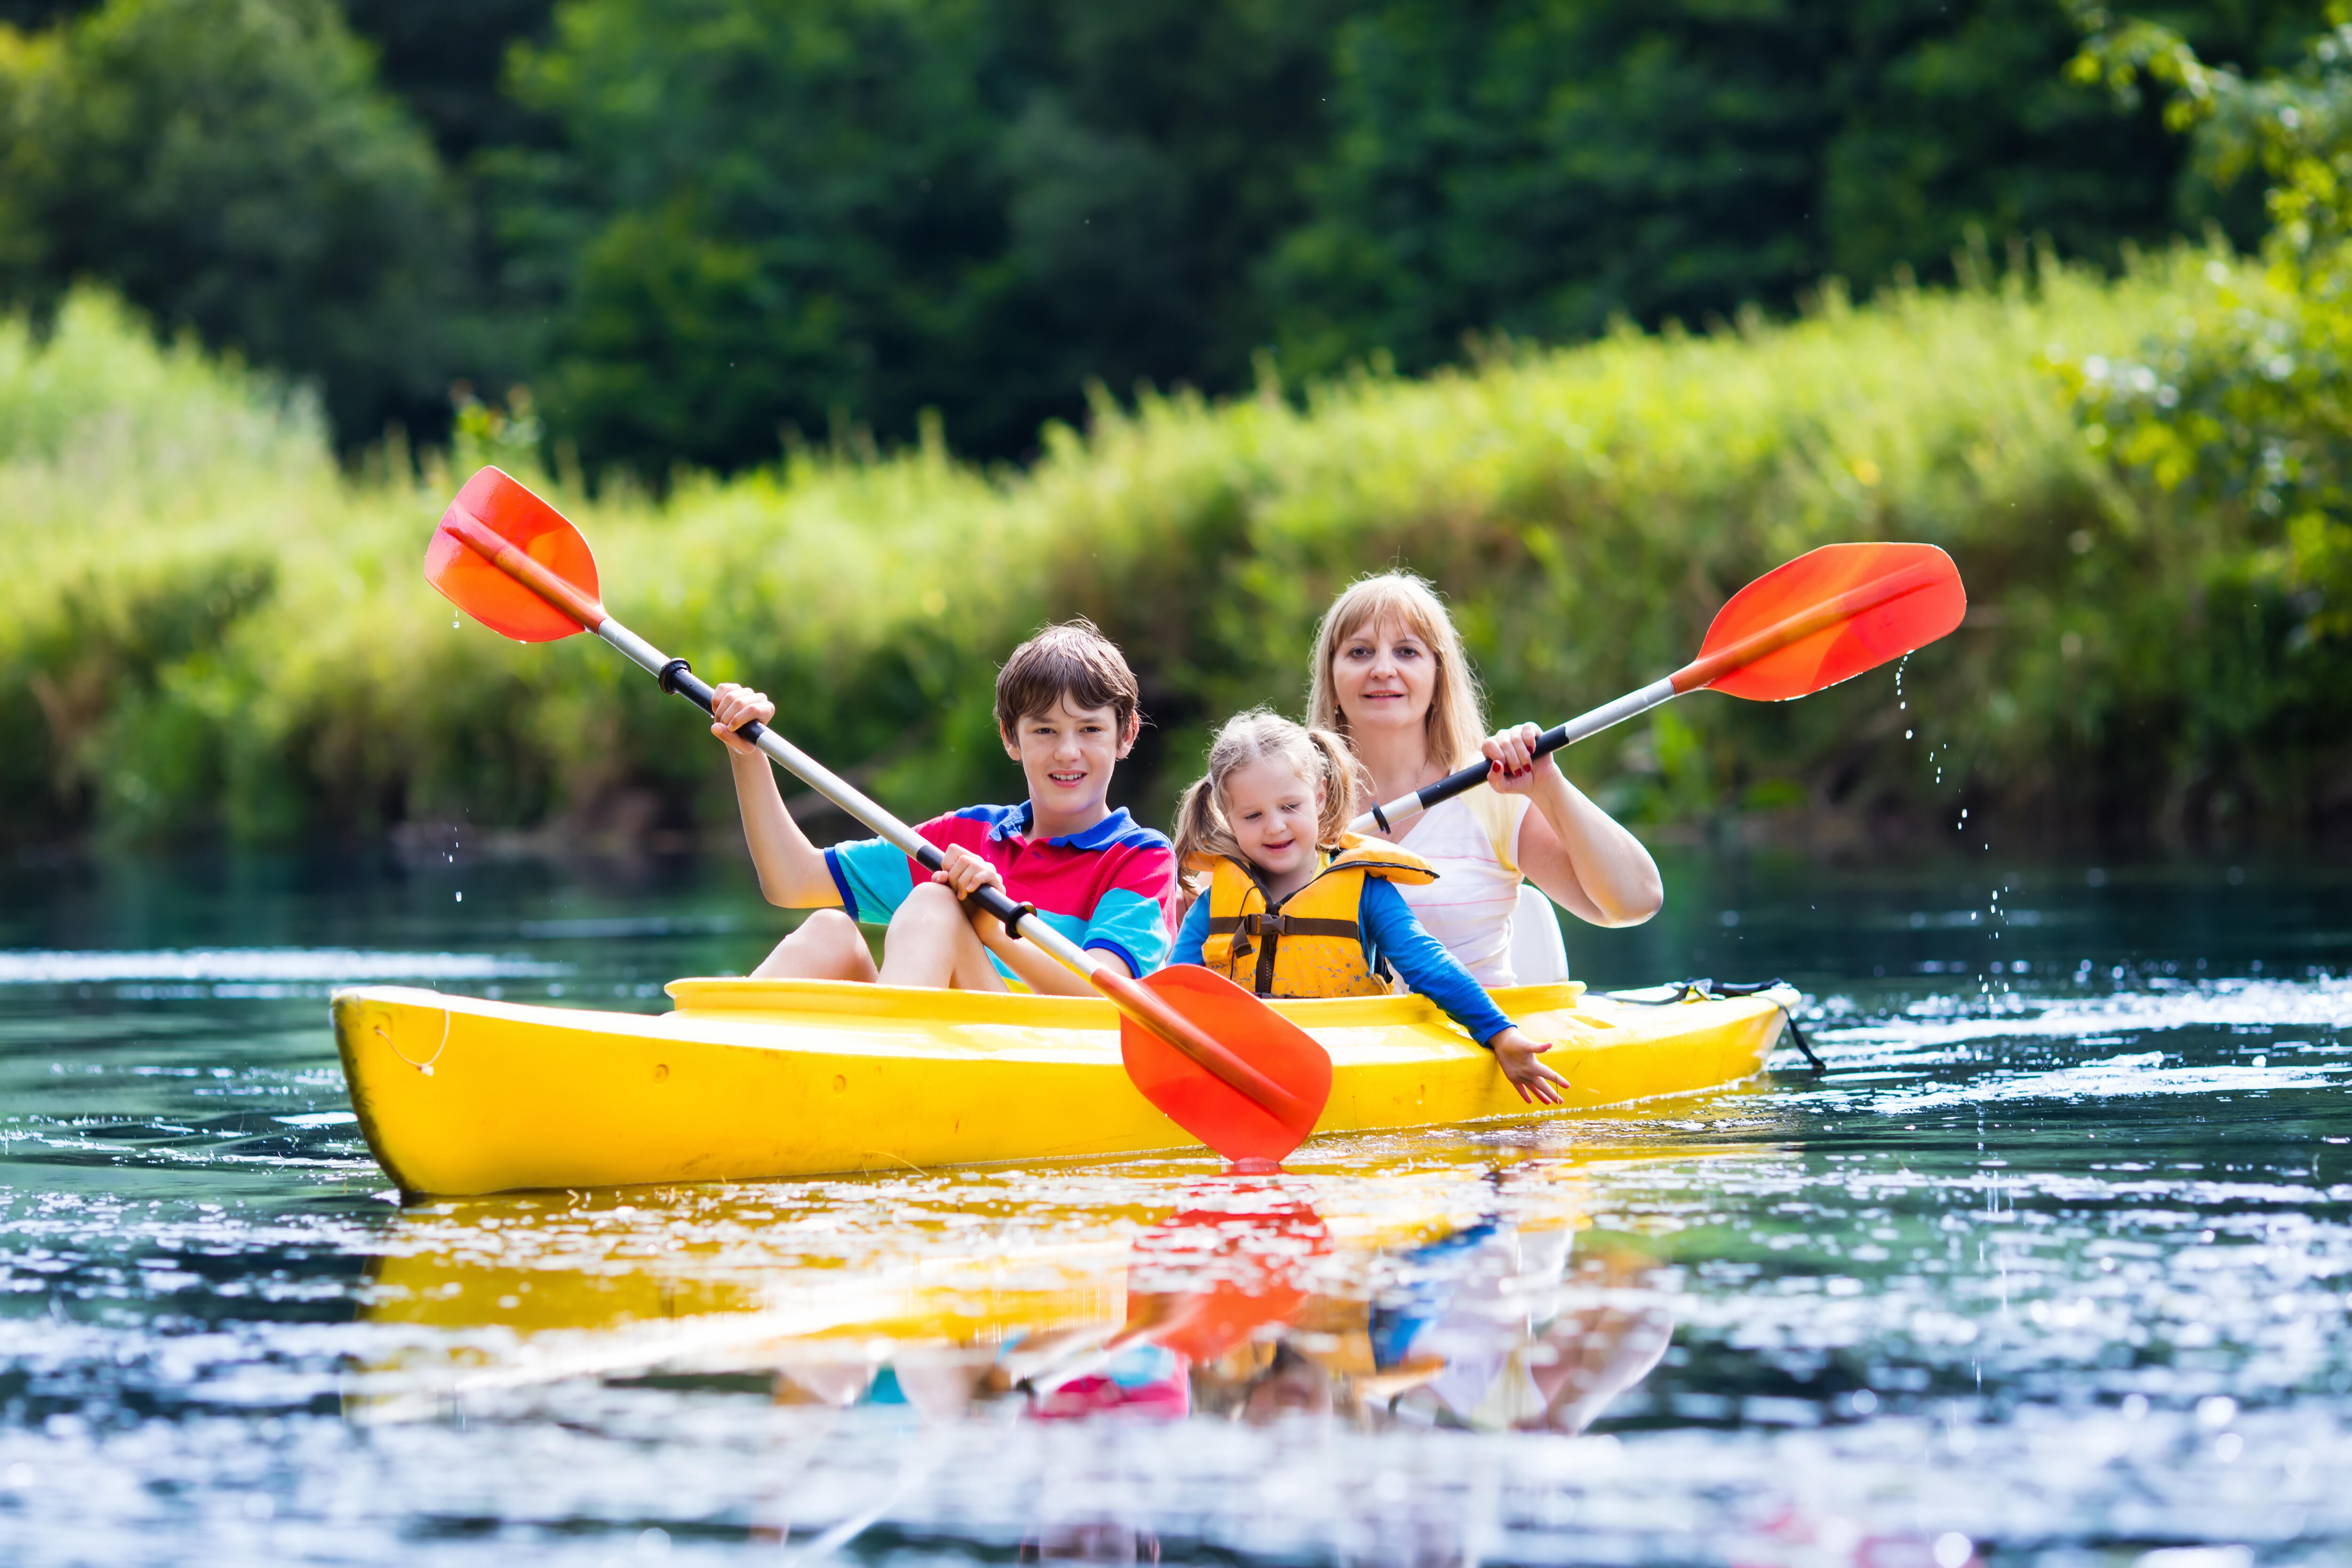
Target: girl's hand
[[731, 708], [1513, 767], [1516, 1054]]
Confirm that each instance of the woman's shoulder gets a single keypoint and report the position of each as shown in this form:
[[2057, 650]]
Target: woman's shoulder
[[1478, 824]]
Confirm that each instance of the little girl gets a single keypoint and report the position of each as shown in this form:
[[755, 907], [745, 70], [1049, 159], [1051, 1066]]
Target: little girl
[[1295, 906]]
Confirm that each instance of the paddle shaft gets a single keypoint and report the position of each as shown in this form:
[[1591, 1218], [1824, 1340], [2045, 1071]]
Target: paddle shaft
[[1138, 1001], [1392, 815]]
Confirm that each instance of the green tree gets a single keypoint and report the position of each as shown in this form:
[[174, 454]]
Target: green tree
[[231, 166], [1536, 166]]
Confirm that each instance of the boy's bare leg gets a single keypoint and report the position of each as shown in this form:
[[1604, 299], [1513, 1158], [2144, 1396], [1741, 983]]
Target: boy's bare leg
[[828, 946], [931, 943]]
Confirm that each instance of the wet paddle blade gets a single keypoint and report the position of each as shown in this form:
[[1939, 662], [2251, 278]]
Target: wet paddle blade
[[1827, 616], [497, 502], [1205, 1105]]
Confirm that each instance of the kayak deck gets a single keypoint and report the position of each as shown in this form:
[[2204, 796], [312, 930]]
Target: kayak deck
[[762, 1078]]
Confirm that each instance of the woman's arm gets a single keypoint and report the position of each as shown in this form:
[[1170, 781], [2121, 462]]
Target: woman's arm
[[793, 872], [1583, 858]]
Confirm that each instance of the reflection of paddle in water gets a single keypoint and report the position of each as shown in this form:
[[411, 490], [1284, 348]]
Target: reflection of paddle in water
[[1203, 1285], [1200, 1284]]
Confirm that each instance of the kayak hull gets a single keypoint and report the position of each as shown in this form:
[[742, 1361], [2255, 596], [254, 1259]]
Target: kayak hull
[[749, 1079]]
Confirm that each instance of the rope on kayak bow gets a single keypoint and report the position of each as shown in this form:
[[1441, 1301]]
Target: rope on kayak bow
[[1709, 990], [424, 1067]]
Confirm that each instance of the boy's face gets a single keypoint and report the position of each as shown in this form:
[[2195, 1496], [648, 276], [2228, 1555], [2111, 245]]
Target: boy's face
[[1067, 755]]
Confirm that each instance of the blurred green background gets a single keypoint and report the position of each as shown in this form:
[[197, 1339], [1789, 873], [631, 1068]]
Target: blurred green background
[[862, 335]]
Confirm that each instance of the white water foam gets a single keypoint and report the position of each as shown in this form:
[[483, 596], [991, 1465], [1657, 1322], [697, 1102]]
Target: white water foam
[[2322, 1003], [38, 967], [2113, 1079]]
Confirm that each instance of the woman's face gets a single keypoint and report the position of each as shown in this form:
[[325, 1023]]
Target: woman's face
[[1383, 677]]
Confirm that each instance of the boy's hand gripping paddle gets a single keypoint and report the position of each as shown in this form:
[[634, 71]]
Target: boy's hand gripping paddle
[[1219, 1062], [1824, 617]]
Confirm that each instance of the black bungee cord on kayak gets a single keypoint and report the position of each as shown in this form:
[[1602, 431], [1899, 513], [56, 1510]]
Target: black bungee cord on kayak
[[1708, 990]]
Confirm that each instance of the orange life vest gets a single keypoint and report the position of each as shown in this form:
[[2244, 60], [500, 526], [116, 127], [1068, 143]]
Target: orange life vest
[[1311, 943]]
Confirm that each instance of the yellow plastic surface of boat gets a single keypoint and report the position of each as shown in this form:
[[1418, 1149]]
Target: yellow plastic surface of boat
[[763, 1078]]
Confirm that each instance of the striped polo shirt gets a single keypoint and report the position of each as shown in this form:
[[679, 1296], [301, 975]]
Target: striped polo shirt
[[1110, 886]]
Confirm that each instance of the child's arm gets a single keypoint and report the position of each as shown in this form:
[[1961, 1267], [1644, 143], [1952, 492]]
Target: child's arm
[[1437, 974], [793, 872], [1194, 936], [965, 874]]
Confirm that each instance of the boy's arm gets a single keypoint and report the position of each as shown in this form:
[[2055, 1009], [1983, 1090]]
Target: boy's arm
[[793, 871], [965, 874]]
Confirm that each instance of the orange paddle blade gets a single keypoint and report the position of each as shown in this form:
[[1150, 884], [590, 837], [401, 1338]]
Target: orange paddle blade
[[1223, 1117], [496, 515], [1827, 616]]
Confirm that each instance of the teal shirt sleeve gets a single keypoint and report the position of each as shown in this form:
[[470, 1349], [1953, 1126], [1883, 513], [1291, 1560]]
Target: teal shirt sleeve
[[1130, 926], [873, 876], [1195, 935], [1392, 930]]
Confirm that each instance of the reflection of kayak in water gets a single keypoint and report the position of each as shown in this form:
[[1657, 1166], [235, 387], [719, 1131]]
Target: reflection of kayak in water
[[754, 1079], [1239, 1299]]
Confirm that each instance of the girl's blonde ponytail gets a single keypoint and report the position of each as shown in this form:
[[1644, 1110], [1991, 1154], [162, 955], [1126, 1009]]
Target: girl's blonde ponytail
[[1200, 832], [1336, 771]]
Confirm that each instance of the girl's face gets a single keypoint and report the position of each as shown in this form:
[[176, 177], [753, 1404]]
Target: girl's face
[[1273, 813], [1384, 678]]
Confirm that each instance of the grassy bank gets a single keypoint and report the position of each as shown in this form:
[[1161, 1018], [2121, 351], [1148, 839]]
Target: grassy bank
[[206, 628]]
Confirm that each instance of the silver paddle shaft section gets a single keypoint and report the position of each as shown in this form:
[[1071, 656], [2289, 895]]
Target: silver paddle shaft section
[[1017, 919], [1394, 817]]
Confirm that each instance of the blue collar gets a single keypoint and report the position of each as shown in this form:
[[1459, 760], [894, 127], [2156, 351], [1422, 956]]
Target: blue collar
[[1009, 821]]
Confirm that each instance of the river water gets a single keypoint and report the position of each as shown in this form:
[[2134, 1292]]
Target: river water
[[2052, 1265]]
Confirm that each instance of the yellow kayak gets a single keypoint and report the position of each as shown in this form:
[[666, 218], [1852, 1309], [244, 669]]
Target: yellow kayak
[[759, 1078]]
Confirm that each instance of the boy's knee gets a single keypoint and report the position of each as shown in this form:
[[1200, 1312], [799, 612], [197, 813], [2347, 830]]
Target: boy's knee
[[930, 901], [828, 928]]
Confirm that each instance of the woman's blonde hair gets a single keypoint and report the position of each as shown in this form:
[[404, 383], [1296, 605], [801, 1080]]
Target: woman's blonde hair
[[1455, 725], [1262, 735]]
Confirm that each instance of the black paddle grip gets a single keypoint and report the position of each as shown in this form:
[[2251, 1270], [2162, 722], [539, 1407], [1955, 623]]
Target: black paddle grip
[[678, 677], [1471, 777], [993, 899]]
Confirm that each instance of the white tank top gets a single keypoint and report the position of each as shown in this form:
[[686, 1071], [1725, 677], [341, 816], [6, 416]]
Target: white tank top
[[1469, 908]]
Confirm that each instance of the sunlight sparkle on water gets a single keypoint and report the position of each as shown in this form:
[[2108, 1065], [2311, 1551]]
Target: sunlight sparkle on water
[[2056, 1271]]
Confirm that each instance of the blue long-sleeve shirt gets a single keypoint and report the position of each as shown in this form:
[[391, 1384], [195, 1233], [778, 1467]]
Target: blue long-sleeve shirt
[[1387, 926]]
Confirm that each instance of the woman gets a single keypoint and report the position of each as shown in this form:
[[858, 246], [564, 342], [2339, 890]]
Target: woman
[[1390, 675]]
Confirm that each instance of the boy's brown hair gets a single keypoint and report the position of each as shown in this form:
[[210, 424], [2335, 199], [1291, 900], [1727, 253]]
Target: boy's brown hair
[[1071, 660]]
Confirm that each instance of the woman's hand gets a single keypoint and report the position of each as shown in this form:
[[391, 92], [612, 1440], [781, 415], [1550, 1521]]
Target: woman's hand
[[1513, 767], [1516, 1054], [964, 874], [731, 708]]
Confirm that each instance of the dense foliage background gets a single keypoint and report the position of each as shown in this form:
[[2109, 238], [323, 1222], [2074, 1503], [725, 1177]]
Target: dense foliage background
[[1543, 301], [694, 226]]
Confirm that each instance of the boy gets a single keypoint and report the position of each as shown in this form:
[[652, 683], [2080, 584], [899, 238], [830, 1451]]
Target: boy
[[1066, 708]]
